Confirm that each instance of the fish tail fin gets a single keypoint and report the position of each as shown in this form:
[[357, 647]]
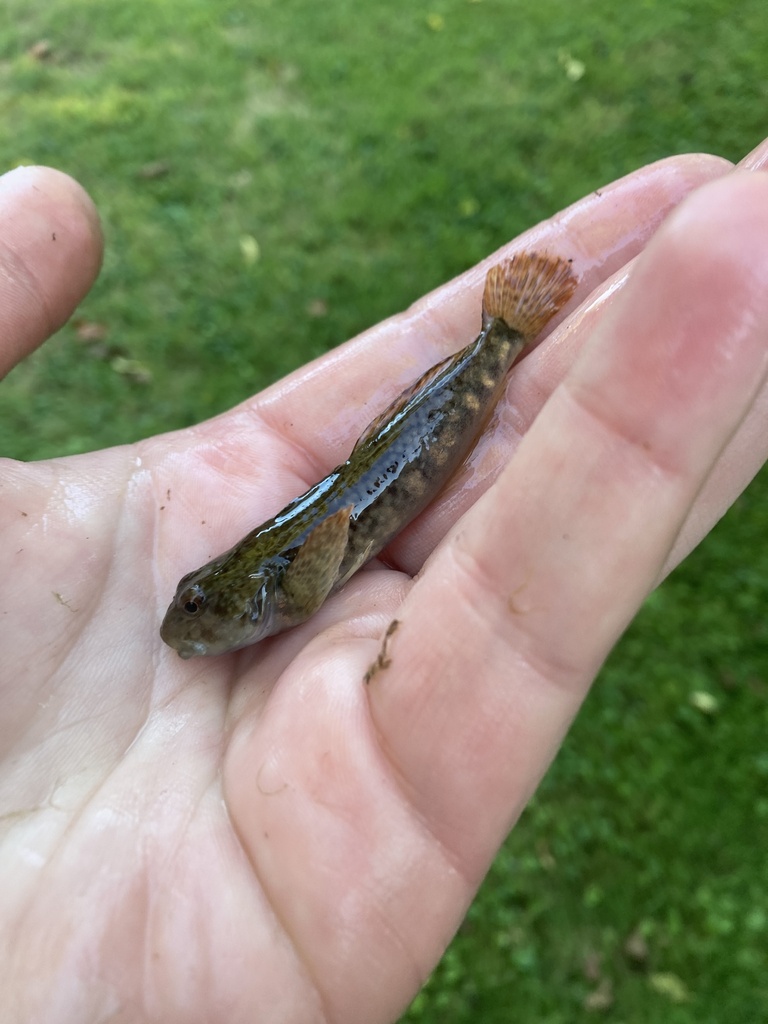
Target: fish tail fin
[[527, 290]]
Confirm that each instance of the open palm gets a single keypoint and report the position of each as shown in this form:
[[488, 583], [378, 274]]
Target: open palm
[[265, 835]]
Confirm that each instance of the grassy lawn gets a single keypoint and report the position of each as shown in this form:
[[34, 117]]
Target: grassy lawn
[[276, 176]]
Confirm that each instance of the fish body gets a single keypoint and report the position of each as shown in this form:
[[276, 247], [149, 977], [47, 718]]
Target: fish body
[[281, 573]]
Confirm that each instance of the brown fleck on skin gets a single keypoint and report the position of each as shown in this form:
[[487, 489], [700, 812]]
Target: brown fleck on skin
[[383, 659], [281, 573]]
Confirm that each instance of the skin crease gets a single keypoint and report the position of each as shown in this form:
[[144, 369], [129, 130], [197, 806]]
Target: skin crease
[[262, 833]]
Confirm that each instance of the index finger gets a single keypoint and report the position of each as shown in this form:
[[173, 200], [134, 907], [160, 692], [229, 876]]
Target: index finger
[[600, 233], [311, 419]]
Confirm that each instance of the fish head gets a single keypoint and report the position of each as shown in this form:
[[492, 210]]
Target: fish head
[[206, 616]]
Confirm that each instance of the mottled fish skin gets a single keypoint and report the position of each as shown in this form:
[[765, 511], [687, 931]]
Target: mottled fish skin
[[282, 572]]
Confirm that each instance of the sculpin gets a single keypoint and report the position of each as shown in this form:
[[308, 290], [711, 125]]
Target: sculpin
[[282, 572]]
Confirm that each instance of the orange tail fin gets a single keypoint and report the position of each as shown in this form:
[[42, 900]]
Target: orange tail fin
[[527, 290]]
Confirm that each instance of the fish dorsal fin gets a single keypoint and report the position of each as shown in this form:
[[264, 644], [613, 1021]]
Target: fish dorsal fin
[[526, 291], [402, 400], [310, 577]]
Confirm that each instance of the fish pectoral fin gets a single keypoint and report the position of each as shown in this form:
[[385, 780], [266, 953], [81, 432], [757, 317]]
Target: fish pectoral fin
[[357, 564], [310, 577]]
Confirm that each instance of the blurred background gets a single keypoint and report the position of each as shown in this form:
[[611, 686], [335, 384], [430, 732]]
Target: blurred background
[[274, 177]]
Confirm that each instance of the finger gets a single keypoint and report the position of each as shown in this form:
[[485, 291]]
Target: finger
[[532, 381], [744, 455], [50, 253], [502, 635], [315, 415], [757, 160], [321, 409]]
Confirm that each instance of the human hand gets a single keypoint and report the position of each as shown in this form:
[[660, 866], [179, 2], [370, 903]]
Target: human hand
[[262, 833]]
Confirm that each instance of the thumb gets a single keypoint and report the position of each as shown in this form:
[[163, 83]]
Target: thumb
[[50, 254]]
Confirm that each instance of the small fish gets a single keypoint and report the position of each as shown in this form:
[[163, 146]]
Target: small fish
[[282, 572]]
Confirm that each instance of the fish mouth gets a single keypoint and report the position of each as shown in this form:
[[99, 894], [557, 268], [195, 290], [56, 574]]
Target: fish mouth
[[191, 649], [185, 647]]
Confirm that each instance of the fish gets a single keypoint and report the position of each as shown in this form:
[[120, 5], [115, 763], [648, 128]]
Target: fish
[[282, 572]]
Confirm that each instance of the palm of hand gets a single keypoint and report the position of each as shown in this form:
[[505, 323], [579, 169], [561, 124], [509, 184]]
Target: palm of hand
[[265, 829]]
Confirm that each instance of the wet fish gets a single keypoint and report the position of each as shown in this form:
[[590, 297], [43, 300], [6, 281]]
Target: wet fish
[[282, 572]]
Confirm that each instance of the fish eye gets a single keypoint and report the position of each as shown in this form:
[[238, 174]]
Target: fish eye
[[191, 600]]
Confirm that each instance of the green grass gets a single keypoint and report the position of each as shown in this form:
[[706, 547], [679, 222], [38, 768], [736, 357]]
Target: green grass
[[371, 152]]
